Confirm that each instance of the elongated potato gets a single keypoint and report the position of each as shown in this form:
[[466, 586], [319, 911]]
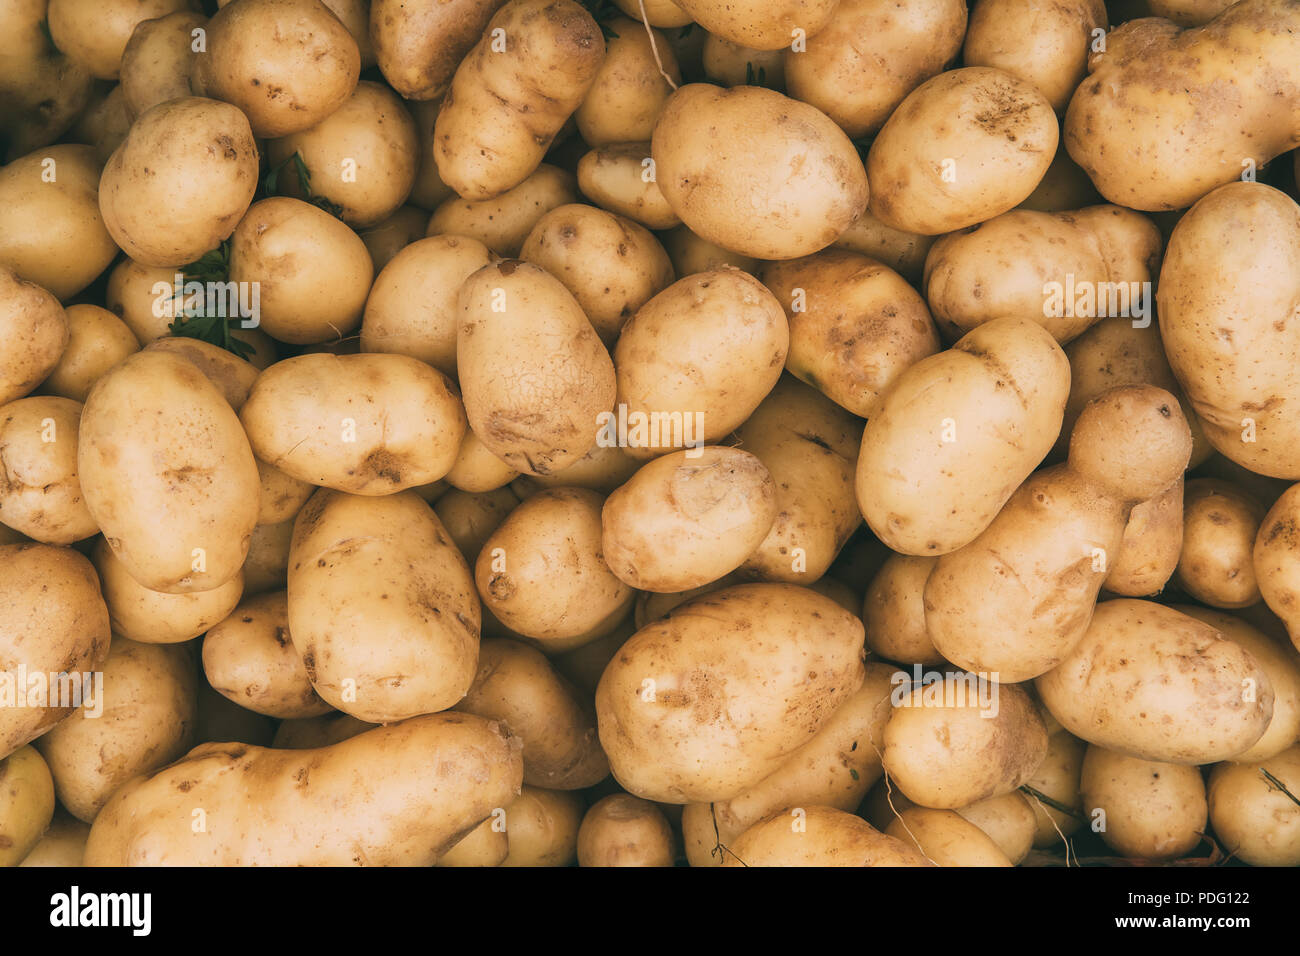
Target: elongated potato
[[818, 836], [26, 804], [1143, 808], [623, 830], [40, 493], [399, 795]]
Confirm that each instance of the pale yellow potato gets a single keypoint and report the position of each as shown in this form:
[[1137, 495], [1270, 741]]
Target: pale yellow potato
[[1007, 820], [399, 796], [542, 572], [411, 309], [729, 64], [761, 24], [1149, 550], [658, 13], [690, 254], [64, 843], [1148, 124], [1064, 187], [368, 424], [629, 90], [429, 190], [485, 845], [1254, 820], [36, 331], [622, 178], [181, 180], [1160, 686], [309, 733], [534, 373], [924, 494], [503, 222], [602, 469], [904, 252], [746, 675], [287, 64], [893, 611], [623, 830], [40, 492], [715, 151], [385, 239], [95, 33], [249, 657], [517, 686], [696, 360], [855, 325], [470, 519], [1277, 561], [688, 518], [158, 59], [267, 565], [362, 157], [941, 162], [144, 298], [1220, 525], [419, 45], [104, 122], [97, 341], [177, 500], [1057, 779], [51, 229], [542, 827], [144, 720], [478, 470], [1143, 808], [612, 265], [818, 836], [946, 839], [502, 112], [26, 804], [313, 272], [231, 374], [871, 55]]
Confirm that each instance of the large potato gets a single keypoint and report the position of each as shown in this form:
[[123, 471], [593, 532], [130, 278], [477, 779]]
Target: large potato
[[419, 45], [40, 493], [35, 330], [1143, 808], [745, 676], [818, 836], [716, 151], [1255, 820]]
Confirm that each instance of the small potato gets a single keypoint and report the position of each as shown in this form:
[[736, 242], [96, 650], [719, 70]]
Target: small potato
[[542, 827], [1148, 553], [1277, 561], [478, 470], [470, 519], [517, 686], [728, 64], [40, 492], [249, 658], [893, 611], [623, 830], [1065, 186], [1256, 821], [159, 58], [904, 252], [282, 495], [1188, 13], [106, 118], [143, 297], [1007, 820], [818, 836], [602, 469], [97, 341], [941, 163], [411, 309], [366, 424], [267, 565], [1150, 810], [385, 239], [94, 34], [503, 222], [629, 90], [42, 92], [761, 24], [688, 518], [26, 804], [231, 374], [1220, 524], [146, 719], [542, 572], [805, 168], [621, 178], [1057, 780], [690, 254], [419, 45], [946, 839], [35, 330], [658, 13], [64, 843]]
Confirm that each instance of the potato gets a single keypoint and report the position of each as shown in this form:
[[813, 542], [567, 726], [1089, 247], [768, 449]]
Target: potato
[[941, 162], [158, 59], [1143, 808], [808, 173], [1220, 524], [762, 25], [419, 45], [97, 341], [249, 658], [1227, 291], [688, 518], [26, 804], [1148, 552], [486, 845], [387, 238], [362, 157], [602, 469], [40, 492], [893, 611], [518, 327], [312, 272], [64, 843], [1056, 781], [1188, 13], [502, 112], [478, 470], [630, 87], [180, 181], [1146, 123], [503, 222], [155, 492], [818, 836], [51, 229], [1277, 561], [42, 91], [409, 651], [855, 325], [35, 330], [429, 190], [658, 13], [52, 592], [364, 424], [542, 827], [623, 830], [144, 298], [95, 34], [687, 373], [904, 252], [1064, 187], [470, 519], [517, 686], [924, 494], [690, 254], [1067, 270], [310, 733], [1256, 821], [621, 178], [1160, 686], [267, 565], [573, 243], [1007, 820], [230, 373], [946, 839], [401, 795], [747, 675], [871, 55], [959, 738], [287, 64], [104, 123], [728, 64], [542, 572]]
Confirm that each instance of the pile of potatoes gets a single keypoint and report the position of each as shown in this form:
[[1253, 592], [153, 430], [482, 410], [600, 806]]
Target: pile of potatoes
[[748, 433]]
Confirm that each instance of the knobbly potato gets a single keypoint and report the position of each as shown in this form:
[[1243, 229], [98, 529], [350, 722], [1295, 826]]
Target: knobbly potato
[[893, 611], [36, 331], [158, 59], [761, 24], [1277, 560], [542, 827], [64, 843], [818, 836], [26, 804], [40, 492], [399, 795], [623, 830], [419, 45], [1143, 808], [1257, 821], [1148, 552], [95, 34], [503, 222], [621, 178], [1220, 524], [97, 341], [946, 839]]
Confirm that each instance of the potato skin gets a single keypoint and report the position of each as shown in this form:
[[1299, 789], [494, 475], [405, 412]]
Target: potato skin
[[26, 804], [419, 45], [1161, 686], [158, 60], [96, 34], [893, 611], [398, 795], [1255, 821], [946, 838], [805, 167], [40, 493], [98, 340], [752, 649], [829, 837], [760, 24], [620, 178], [1277, 560], [410, 650], [628, 92], [1153, 810], [1220, 525], [503, 222], [154, 491], [35, 331], [623, 830], [542, 827], [64, 843]]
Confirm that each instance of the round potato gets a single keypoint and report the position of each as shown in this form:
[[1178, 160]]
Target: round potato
[[657, 13], [144, 298], [623, 830], [40, 493], [630, 87], [542, 827], [97, 341], [1257, 821], [26, 804], [158, 59], [1220, 524], [419, 45], [1143, 808], [819, 836]]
